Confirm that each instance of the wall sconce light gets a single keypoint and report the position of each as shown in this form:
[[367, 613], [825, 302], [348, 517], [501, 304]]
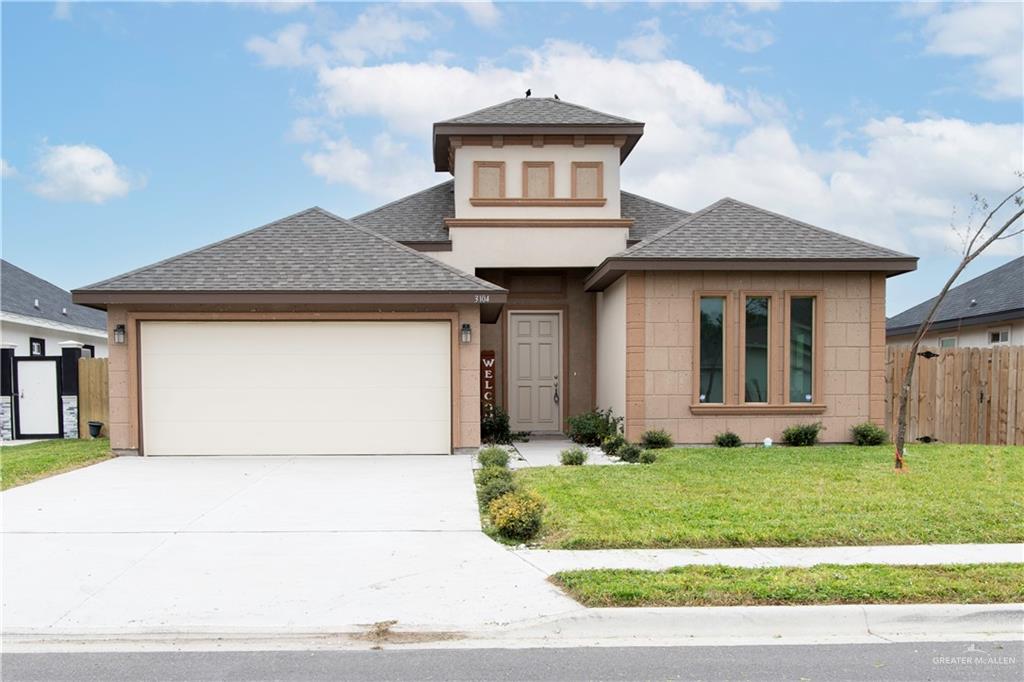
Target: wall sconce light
[[467, 333], [119, 333]]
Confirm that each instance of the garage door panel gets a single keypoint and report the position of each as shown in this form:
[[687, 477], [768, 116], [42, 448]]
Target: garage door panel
[[296, 387]]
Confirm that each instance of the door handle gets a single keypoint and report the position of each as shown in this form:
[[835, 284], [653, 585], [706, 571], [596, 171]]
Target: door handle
[[555, 396]]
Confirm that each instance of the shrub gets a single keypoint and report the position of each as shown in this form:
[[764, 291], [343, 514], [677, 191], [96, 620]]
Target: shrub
[[656, 439], [494, 426], [630, 452], [869, 434], [493, 489], [727, 440], [517, 516], [612, 444], [648, 457], [590, 428], [574, 456], [493, 457], [488, 474], [802, 434]]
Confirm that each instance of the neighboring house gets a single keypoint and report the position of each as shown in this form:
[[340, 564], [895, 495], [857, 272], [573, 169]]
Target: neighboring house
[[36, 317], [985, 311], [316, 334]]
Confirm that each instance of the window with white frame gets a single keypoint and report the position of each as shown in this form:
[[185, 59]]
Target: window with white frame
[[997, 336], [947, 342]]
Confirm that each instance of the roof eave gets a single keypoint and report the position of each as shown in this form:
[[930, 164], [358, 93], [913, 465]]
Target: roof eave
[[444, 131], [100, 299], [613, 268]]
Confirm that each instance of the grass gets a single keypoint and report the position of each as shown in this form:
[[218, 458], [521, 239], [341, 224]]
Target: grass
[[824, 495], [23, 464], [821, 584]]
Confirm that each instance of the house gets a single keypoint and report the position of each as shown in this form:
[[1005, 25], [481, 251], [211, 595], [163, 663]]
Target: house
[[985, 311], [316, 334]]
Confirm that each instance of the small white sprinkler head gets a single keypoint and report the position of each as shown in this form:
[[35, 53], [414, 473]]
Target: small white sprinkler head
[[767, 442]]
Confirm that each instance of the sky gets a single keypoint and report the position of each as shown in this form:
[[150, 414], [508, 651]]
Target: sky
[[132, 132]]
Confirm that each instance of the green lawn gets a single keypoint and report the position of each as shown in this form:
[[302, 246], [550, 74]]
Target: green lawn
[[822, 584], [21, 464], [826, 495]]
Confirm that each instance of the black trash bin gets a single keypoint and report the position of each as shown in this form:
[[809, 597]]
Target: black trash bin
[[95, 428]]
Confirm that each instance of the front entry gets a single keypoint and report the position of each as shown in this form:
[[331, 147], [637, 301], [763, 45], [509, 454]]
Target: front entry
[[534, 369]]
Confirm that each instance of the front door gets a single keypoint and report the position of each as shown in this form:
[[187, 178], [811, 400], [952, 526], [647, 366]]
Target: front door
[[534, 366], [37, 398]]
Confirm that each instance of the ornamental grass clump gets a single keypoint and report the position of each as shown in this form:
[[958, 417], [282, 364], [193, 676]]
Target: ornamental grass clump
[[493, 456], [574, 456], [656, 439], [630, 452], [727, 440], [648, 457], [802, 435], [869, 434], [612, 444]]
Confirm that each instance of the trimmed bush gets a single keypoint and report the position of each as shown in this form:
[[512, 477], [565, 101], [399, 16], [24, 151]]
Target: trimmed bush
[[648, 457], [574, 456], [869, 434], [591, 428], [516, 515], [630, 452], [494, 426], [488, 474], [493, 489], [802, 434], [656, 439], [493, 457], [612, 444], [727, 440]]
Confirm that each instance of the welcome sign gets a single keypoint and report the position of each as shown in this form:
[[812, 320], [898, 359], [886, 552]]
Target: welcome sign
[[487, 382]]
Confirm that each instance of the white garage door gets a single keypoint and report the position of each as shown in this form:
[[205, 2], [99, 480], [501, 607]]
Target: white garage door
[[281, 388]]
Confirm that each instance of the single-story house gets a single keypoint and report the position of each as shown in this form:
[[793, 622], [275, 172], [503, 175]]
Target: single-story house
[[317, 334], [983, 312]]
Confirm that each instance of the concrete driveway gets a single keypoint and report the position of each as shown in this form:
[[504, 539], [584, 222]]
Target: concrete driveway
[[259, 544]]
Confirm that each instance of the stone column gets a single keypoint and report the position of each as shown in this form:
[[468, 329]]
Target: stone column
[[70, 352], [7, 391]]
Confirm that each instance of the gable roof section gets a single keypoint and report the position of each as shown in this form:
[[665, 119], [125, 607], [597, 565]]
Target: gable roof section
[[19, 289], [538, 111], [309, 256], [997, 294], [731, 234], [419, 217]]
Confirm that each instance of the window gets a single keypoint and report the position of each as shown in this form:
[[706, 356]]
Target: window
[[948, 342], [712, 349], [36, 346], [998, 336], [801, 349], [489, 179], [587, 180], [538, 179], [88, 351], [756, 316]]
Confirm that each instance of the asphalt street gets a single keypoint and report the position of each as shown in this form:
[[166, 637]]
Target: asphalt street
[[896, 661]]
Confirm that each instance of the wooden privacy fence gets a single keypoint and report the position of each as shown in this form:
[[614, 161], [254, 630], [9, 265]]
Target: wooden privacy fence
[[964, 395], [93, 402]]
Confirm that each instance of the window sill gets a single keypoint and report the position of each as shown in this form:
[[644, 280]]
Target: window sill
[[479, 201], [735, 410]]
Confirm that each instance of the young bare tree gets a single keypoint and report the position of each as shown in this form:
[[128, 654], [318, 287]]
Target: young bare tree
[[975, 238]]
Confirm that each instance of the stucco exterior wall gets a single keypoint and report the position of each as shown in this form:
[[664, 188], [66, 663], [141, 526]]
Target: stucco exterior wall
[[611, 348], [849, 359], [531, 247], [968, 336], [18, 334]]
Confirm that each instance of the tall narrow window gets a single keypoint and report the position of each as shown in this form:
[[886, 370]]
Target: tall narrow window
[[488, 179], [587, 180], [538, 179], [755, 341], [712, 349], [801, 349]]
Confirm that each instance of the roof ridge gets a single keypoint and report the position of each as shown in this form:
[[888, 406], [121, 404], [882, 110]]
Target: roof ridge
[[672, 228], [655, 201], [402, 247], [399, 200], [481, 110], [199, 249], [620, 119], [586, 108]]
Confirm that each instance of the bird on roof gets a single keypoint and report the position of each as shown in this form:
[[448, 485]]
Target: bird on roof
[[528, 92], [556, 95]]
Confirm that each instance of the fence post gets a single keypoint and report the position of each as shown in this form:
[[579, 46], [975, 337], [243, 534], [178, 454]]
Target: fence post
[[70, 352]]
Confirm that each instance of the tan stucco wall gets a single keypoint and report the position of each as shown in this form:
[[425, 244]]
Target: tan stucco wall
[[531, 247], [850, 360], [123, 373], [611, 348]]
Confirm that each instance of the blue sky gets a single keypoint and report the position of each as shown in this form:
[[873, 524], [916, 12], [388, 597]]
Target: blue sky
[[132, 131]]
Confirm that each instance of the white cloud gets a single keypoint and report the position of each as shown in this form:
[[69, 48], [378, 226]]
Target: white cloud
[[762, 6], [384, 170], [647, 42], [62, 11], [288, 47], [81, 172], [483, 13], [737, 34], [989, 32], [7, 170]]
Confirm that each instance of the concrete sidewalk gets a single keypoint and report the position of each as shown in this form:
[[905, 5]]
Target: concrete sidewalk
[[544, 451], [552, 560]]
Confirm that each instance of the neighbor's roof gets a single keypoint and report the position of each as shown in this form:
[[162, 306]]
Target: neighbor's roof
[[538, 111], [997, 294], [420, 217], [730, 233], [313, 251], [19, 290]]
